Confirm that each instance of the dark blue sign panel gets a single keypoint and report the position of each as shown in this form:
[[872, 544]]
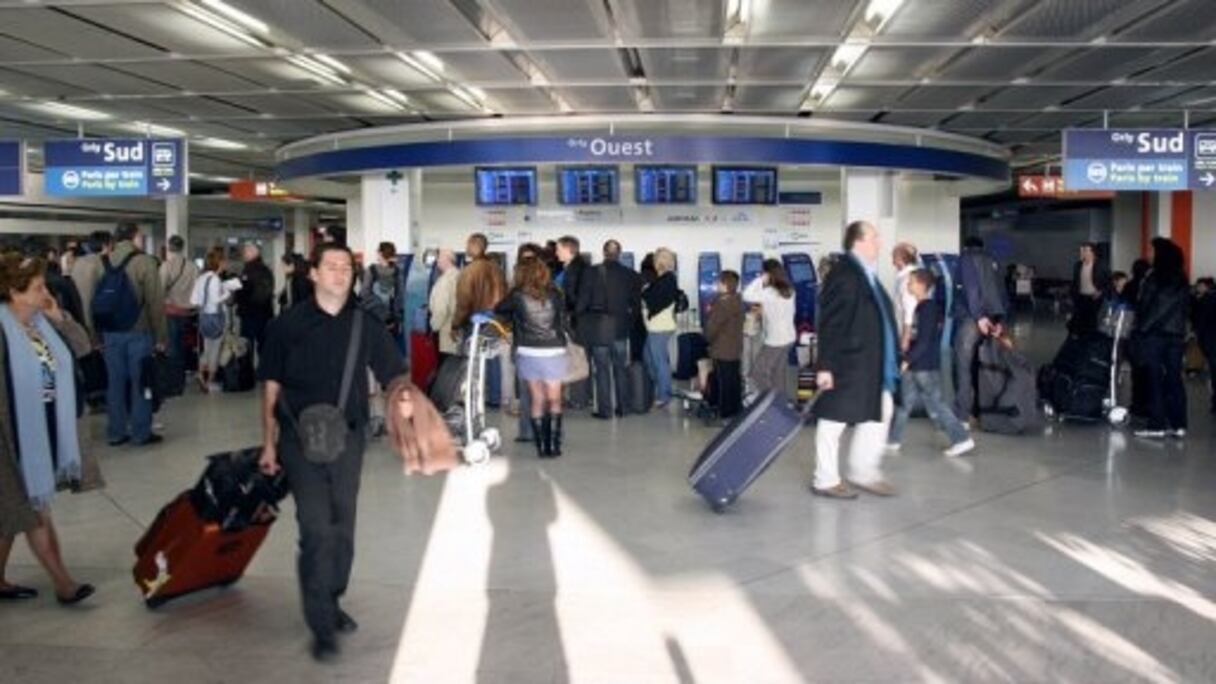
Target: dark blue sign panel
[[745, 185], [1109, 159], [11, 167], [665, 184], [1203, 160], [587, 185], [646, 150], [800, 197], [115, 168], [505, 186]]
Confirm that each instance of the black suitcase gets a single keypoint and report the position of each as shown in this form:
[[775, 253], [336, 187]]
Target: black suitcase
[[237, 375], [1008, 401], [445, 391], [744, 449], [95, 378], [641, 389], [690, 348], [233, 492]]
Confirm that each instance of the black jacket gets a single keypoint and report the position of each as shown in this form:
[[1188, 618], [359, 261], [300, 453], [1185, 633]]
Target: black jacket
[[536, 323], [1101, 277], [850, 327], [255, 299], [609, 296], [924, 354], [1162, 308], [299, 289], [661, 294], [1203, 317], [982, 293]]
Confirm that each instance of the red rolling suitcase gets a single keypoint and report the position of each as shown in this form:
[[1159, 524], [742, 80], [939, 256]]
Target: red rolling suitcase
[[181, 553], [207, 536]]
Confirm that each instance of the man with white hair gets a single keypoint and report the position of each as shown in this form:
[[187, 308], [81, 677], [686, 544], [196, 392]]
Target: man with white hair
[[442, 302], [858, 369]]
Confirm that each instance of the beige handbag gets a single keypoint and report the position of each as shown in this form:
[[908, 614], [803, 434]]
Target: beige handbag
[[577, 368]]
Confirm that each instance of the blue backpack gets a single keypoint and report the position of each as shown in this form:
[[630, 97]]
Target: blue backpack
[[115, 306]]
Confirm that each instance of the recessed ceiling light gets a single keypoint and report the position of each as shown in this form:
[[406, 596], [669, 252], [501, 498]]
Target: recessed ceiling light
[[331, 62], [430, 59], [240, 17], [220, 144], [69, 111], [847, 55], [221, 23], [151, 129], [879, 11]]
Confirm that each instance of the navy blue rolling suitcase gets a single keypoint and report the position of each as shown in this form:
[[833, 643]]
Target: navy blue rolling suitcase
[[744, 449]]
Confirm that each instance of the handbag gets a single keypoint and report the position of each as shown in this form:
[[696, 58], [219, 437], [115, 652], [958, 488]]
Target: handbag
[[577, 368], [210, 325], [323, 429]]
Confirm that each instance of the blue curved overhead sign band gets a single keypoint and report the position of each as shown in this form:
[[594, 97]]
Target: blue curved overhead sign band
[[12, 167], [641, 149]]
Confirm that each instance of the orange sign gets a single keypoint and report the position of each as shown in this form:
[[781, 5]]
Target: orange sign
[[1052, 187], [256, 190]]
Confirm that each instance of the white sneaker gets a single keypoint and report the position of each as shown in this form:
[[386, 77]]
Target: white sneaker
[[1150, 434], [961, 448], [1180, 433], [893, 448]]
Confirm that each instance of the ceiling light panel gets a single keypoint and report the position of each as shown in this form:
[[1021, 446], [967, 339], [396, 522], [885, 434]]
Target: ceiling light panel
[[435, 21], [546, 20], [70, 36], [68, 112], [241, 18], [313, 23]]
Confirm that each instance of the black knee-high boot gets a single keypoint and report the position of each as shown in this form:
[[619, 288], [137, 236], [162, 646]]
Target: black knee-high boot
[[538, 431], [545, 438], [555, 437]]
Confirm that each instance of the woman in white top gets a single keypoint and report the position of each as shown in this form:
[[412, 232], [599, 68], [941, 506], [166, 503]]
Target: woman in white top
[[210, 297], [775, 295]]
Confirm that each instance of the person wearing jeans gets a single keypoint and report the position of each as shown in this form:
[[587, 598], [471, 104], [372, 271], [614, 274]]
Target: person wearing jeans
[[609, 296], [659, 299], [978, 311], [609, 363], [922, 377], [1159, 338]]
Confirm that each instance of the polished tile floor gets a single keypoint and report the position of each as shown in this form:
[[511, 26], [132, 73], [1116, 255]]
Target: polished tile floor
[[1079, 555]]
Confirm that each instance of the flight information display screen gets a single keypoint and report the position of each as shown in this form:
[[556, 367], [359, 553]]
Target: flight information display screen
[[587, 184], [745, 185], [497, 186], [665, 184]]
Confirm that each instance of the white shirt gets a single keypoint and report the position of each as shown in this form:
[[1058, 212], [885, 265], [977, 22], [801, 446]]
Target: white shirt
[[904, 299], [777, 311], [209, 287]]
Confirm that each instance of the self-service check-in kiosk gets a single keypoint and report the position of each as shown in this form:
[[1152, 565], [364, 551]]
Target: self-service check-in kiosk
[[709, 267], [627, 260], [801, 271], [752, 267]]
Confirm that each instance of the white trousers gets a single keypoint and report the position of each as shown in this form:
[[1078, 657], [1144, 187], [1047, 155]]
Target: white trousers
[[865, 455]]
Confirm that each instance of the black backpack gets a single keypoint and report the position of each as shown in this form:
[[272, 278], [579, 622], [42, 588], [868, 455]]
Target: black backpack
[[115, 306]]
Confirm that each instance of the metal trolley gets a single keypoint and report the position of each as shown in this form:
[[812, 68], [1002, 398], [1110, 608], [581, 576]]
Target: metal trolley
[[486, 340]]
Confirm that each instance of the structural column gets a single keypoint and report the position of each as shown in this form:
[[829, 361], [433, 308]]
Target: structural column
[[383, 212], [867, 195], [177, 217]]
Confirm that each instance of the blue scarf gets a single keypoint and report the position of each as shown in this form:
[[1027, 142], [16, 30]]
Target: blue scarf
[[890, 354], [33, 441]]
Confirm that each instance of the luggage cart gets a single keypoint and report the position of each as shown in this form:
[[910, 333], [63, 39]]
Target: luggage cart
[[467, 419], [1115, 323]]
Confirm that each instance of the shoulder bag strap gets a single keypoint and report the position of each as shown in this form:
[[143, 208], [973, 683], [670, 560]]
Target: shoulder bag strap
[[352, 354]]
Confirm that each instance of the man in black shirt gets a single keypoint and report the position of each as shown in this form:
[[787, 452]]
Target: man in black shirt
[[255, 299], [608, 298], [303, 360]]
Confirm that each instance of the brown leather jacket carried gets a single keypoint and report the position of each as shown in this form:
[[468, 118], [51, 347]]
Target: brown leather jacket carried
[[417, 431]]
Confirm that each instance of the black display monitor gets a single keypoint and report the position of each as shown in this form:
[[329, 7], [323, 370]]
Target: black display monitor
[[505, 185], [745, 185], [665, 184], [588, 185]]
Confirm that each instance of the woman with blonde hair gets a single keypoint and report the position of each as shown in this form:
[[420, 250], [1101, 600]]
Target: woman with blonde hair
[[211, 295], [659, 298]]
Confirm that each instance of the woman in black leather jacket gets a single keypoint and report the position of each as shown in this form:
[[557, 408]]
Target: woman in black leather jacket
[[1159, 338], [538, 321]]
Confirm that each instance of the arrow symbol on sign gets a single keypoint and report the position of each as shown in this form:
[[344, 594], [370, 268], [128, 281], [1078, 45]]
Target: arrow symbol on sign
[[164, 184], [1028, 184], [1208, 179]]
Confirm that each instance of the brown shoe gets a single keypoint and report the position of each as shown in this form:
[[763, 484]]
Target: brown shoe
[[879, 488], [840, 491]]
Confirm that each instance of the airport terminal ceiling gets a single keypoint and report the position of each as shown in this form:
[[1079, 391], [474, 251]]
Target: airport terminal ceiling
[[241, 78]]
